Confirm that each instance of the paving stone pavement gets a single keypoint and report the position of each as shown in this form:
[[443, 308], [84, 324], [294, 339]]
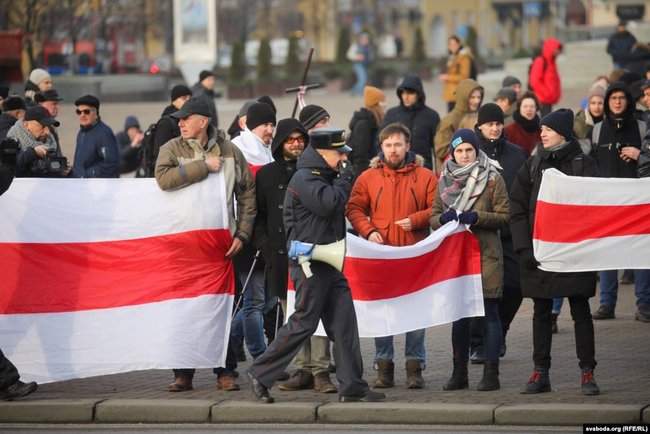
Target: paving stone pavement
[[622, 348]]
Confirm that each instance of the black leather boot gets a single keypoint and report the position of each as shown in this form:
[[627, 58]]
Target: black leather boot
[[458, 378], [490, 380]]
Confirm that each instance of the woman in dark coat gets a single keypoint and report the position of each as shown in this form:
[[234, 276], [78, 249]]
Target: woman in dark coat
[[472, 191], [524, 131], [559, 150], [364, 129]]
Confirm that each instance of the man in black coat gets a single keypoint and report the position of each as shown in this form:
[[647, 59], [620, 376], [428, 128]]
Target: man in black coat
[[314, 212], [559, 150], [204, 90], [419, 118], [620, 45], [489, 130], [10, 385]]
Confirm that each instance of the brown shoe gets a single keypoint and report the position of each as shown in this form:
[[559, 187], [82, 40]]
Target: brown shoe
[[300, 380], [227, 382], [323, 384], [414, 378], [385, 374], [182, 383]]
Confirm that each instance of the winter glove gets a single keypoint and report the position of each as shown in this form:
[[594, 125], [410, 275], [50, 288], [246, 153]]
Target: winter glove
[[448, 216], [346, 172], [528, 260], [468, 217]]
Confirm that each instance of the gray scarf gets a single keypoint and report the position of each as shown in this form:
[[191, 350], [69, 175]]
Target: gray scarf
[[460, 187], [19, 133]]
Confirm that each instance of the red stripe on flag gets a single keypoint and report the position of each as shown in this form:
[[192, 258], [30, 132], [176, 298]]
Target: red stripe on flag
[[562, 223], [379, 279], [40, 278], [255, 168]]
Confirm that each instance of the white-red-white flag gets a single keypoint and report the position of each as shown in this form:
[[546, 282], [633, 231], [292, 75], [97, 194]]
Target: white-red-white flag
[[592, 224], [257, 154], [101, 276], [400, 289]]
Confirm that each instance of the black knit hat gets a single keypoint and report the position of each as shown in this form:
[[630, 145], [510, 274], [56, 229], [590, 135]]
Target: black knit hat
[[180, 90], [13, 103], [267, 100], [89, 100], [258, 114], [490, 112], [560, 121], [205, 74], [311, 114]]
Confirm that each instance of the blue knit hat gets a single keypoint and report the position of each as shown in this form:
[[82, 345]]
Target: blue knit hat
[[464, 135]]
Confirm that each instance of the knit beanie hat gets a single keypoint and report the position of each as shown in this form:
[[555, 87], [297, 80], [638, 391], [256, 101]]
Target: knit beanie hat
[[259, 114], [267, 100], [464, 135], [131, 122], [510, 81], [596, 90], [38, 75], [311, 114], [560, 121], [372, 96], [490, 112], [180, 90]]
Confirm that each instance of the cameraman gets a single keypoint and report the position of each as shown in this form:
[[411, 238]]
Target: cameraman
[[39, 154], [10, 385]]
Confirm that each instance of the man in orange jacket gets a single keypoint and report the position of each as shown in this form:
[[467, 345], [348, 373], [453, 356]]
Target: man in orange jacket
[[391, 204]]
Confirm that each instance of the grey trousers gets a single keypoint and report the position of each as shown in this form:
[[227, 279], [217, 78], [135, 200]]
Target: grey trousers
[[325, 296]]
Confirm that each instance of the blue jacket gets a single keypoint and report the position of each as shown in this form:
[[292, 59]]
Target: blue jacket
[[97, 154]]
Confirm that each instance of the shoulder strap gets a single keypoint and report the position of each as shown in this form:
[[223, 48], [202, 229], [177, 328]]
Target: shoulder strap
[[595, 134], [643, 128]]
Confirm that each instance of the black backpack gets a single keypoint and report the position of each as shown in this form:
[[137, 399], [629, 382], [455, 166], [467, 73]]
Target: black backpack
[[149, 153]]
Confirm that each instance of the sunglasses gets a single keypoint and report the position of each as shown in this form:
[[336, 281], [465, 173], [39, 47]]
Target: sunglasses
[[299, 139], [84, 112]]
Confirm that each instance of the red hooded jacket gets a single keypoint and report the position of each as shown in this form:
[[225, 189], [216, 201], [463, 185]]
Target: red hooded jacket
[[544, 79]]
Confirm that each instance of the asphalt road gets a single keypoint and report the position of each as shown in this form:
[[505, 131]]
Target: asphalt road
[[272, 429]]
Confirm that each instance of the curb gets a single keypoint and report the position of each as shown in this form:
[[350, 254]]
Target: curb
[[240, 412]]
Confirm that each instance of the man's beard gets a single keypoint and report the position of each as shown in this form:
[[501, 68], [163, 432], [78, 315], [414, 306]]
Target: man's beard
[[394, 166]]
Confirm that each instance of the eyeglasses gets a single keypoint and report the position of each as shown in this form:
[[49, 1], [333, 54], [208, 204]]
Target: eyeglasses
[[84, 112], [299, 139]]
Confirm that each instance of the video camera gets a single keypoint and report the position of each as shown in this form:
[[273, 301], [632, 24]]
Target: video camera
[[9, 152], [52, 165]]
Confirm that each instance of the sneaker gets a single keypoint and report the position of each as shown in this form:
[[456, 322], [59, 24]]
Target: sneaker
[[18, 390], [588, 383], [539, 382], [604, 312]]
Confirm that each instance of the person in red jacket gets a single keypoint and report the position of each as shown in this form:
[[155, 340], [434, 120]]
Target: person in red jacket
[[544, 79]]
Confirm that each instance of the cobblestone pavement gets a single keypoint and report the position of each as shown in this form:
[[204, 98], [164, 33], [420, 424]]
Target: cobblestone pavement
[[622, 348]]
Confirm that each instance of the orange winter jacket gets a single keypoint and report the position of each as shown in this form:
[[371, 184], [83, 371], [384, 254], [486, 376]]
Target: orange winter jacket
[[381, 196]]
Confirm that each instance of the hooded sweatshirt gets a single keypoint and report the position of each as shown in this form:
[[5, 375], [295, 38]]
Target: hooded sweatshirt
[[616, 131], [419, 118], [256, 152], [544, 79], [455, 119]]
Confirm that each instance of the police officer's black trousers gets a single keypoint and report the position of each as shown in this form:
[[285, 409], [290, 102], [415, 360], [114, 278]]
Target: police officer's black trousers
[[326, 295], [8, 372]]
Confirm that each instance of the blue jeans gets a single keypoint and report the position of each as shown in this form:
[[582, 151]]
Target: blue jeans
[[493, 337], [609, 287], [557, 305], [249, 321], [414, 349], [362, 77]]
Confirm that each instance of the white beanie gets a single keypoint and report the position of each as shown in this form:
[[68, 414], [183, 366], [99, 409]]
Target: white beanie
[[38, 75]]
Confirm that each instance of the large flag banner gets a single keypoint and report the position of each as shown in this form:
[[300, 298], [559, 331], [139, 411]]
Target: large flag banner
[[101, 276], [592, 224], [400, 289]]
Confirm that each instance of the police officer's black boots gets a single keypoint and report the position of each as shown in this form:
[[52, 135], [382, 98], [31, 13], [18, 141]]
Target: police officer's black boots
[[260, 391]]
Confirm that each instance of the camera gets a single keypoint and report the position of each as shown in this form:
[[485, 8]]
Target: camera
[[9, 152], [52, 165]]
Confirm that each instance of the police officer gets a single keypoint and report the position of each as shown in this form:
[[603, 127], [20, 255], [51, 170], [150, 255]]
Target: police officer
[[314, 209]]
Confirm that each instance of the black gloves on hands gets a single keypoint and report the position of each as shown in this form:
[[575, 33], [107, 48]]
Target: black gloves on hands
[[468, 217]]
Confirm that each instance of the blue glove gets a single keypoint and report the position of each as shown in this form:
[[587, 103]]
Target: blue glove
[[468, 217], [448, 216]]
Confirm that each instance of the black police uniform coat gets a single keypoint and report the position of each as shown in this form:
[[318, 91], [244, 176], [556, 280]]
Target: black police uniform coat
[[269, 235], [314, 207], [536, 283]]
